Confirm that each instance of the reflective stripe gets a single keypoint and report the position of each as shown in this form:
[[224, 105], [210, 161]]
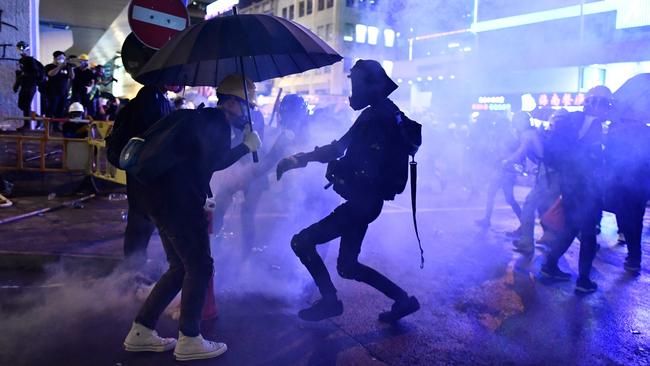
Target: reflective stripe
[[158, 18]]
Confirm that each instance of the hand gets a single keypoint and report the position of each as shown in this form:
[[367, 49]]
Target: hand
[[292, 162], [251, 139]]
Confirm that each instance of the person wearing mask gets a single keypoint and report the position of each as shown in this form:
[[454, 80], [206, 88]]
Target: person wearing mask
[[29, 77], [83, 83], [175, 203], [627, 158], [60, 74], [575, 151], [360, 177]]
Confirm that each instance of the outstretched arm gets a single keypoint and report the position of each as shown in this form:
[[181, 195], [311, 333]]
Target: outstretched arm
[[323, 154]]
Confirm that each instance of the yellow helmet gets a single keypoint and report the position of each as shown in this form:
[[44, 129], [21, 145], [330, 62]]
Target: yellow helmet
[[84, 57], [233, 85]]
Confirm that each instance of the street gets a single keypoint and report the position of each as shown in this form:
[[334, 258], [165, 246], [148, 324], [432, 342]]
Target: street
[[481, 302]]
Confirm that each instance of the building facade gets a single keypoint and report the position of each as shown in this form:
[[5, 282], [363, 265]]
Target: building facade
[[351, 27]]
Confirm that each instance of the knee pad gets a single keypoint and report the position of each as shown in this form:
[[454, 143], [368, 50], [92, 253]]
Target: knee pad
[[300, 244], [347, 269]]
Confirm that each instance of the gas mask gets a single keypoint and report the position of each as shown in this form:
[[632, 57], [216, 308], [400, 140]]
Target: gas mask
[[60, 60], [83, 64]]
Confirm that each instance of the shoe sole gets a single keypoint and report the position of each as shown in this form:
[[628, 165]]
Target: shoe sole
[[163, 348], [584, 290], [319, 319], [548, 276], [200, 356], [400, 316]]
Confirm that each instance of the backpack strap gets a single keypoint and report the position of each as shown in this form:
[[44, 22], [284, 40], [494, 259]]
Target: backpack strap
[[414, 181]]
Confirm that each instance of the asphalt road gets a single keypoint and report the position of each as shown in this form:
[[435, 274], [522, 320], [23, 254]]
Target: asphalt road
[[481, 303]]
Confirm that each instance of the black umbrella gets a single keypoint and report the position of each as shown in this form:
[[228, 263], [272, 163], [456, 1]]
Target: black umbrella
[[267, 46], [256, 46], [632, 100]]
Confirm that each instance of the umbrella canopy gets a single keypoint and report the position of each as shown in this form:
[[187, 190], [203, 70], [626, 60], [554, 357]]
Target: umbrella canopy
[[632, 100], [269, 46]]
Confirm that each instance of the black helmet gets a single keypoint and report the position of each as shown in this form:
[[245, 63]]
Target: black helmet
[[293, 111], [370, 83], [293, 104]]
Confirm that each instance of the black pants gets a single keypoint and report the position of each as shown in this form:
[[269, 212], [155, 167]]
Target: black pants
[[139, 226], [184, 234], [56, 104], [583, 215], [629, 216], [349, 222], [25, 97]]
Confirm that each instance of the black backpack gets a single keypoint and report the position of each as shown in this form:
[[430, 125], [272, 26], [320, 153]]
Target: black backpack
[[394, 170], [120, 134]]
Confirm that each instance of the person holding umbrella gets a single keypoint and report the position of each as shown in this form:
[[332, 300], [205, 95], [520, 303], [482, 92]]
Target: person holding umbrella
[[175, 203], [362, 178]]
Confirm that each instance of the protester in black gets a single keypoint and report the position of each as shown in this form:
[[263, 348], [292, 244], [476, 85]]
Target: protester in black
[[29, 76], [627, 159], [59, 76], [357, 177], [149, 106], [575, 151], [174, 202], [83, 83]]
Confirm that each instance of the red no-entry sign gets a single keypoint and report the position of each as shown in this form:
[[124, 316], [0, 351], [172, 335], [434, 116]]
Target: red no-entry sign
[[155, 22]]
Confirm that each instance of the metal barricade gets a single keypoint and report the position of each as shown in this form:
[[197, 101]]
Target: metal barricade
[[76, 154], [100, 167]]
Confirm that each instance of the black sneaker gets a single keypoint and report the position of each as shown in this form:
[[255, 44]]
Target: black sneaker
[[322, 309], [400, 309], [554, 274], [585, 286], [632, 266]]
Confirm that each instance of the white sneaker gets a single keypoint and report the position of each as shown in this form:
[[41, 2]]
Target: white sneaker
[[143, 339], [197, 348]]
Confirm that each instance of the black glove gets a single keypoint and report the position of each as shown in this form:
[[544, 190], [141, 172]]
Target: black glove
[[292, 162]]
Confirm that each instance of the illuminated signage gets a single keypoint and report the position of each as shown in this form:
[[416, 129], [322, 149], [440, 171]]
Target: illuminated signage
[[629, 14], [496, 103], [219, 7], [560, 99]]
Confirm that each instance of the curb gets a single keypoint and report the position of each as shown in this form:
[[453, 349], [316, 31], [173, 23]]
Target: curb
[[38, 261]]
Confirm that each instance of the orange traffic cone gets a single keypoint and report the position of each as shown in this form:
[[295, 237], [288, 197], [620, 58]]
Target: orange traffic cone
[[210, 309]]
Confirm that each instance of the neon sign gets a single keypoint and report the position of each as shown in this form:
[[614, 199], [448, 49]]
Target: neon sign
[[560, 99]]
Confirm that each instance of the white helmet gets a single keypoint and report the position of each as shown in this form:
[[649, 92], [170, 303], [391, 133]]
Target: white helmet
[[76, 107]]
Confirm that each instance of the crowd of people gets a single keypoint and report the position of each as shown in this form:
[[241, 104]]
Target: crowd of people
[[69, 84], [582, 163]]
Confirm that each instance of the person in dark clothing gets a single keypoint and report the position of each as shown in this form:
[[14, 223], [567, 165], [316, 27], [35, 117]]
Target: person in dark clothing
[[575, 151], [502, 143], [83, 83], [627, 158], [29, 76], [60, 74], [175, 204], [149, 106], [356, 177]]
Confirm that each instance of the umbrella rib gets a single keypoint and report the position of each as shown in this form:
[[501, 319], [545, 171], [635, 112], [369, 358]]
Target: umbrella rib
[[275, 63], [294, 61]]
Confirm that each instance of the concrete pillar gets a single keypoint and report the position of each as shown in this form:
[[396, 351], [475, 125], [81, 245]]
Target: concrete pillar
[[17, 13]]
